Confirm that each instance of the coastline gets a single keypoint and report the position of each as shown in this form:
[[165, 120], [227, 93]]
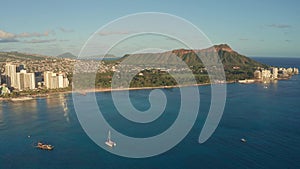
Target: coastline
[[83, 92]]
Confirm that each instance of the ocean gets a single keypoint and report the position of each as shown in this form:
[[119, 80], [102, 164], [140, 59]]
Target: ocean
[[267, 116]]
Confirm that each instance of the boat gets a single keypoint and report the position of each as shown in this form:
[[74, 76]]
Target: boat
[[44, 146], [109, 142], [243, 140]]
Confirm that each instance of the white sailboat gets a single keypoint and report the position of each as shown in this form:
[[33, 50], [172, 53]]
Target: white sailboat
[[109, 142]]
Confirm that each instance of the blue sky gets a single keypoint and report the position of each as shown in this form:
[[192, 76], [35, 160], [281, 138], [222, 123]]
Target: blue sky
[[253, 28]]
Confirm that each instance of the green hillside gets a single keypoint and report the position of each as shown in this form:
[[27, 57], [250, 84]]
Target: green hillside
[[236, 66]]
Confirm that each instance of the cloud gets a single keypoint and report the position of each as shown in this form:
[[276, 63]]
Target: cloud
[[113, 33], [280, 26], [65, 30], [8, 35], [8, 40], [40, 41], [34, 34]]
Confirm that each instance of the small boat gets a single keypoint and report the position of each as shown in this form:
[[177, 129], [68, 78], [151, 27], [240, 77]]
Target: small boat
[[109, 142], [44, 146], [243, 140]]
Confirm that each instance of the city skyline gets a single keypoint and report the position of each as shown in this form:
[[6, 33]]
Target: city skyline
[[16, 76], [255, 28]]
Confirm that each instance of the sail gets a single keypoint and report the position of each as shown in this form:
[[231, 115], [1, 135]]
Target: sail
[[108, 137]]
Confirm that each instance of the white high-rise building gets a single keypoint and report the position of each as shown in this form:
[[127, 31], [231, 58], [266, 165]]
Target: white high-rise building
[[60, 79], [266, 73], [29, 81], [66, 82], [25, 80], [296, 70], [257, 74], [289, 71], [11, 75], [21, 80], [54, 81], [47, 79], [274, 72]]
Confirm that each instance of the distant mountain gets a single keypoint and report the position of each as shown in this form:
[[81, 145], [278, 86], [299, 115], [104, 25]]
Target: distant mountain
[[13, 56], [107, 56], [71, 56], [67, 55]]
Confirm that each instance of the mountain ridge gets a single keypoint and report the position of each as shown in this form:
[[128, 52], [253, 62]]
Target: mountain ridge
[[229, 57]]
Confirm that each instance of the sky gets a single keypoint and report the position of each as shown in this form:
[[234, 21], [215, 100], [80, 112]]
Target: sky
[[253, 28]]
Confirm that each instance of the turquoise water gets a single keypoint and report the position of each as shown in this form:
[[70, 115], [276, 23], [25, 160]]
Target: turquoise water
[[267, 116]]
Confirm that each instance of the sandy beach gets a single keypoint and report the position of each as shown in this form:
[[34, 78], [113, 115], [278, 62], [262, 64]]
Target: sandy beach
[[108, 90]]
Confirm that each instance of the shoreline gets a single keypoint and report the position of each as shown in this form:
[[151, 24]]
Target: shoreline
[[97, 90], [136, 88]]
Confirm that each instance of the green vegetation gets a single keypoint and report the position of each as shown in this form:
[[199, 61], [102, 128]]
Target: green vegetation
[[36, 92], [236, 67], [153, 78]]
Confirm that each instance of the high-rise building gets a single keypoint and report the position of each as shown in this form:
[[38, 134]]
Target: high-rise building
[[274, 72], [266, 73], [257, 74], [66, 82], [25, 80], [29, 81], [289, 71], [47, 79], [54, 81], [60, 80], [21, 80], [11, 75], [296, 70]]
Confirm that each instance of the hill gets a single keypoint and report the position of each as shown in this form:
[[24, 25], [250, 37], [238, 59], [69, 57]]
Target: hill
[[236, 66], [14, 56], [67, 55], [227, 55], [232, 58]]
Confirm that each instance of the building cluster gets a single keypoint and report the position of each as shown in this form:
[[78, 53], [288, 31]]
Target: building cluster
[[16, 77], [55, 80], [274, 73]]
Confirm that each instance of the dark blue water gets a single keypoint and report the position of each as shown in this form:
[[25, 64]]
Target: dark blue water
[[278, 61], [267, 116]]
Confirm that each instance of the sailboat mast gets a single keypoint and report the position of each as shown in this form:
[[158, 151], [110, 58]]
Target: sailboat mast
[[108, 137]]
